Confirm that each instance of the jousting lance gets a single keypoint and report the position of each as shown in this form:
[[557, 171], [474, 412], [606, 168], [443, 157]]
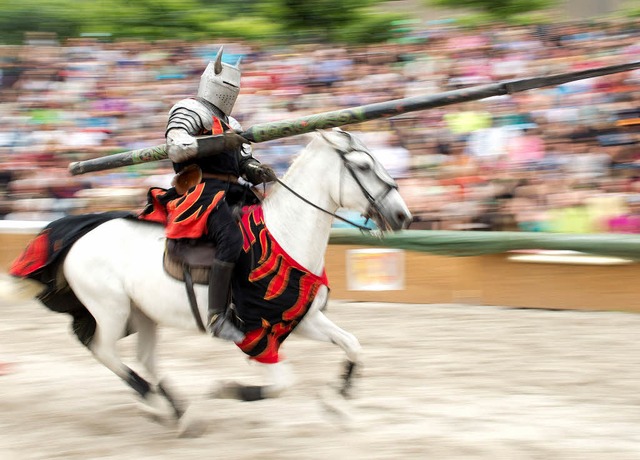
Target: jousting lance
[[275, 130]]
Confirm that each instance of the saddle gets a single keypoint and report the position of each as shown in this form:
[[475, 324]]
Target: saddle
[[190, 261]]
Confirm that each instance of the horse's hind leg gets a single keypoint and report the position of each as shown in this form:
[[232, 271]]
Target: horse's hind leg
[[147, 329], [111, 309], [146, 355], [109, 329], [147, 341]]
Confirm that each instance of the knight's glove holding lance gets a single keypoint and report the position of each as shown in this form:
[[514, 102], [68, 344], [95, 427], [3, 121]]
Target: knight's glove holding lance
[[254, 171], [258, 173]]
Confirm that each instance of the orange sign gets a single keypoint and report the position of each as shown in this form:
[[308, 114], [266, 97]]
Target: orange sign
[[375, 269]]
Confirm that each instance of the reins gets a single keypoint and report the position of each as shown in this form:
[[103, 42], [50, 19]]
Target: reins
[[310, 203]]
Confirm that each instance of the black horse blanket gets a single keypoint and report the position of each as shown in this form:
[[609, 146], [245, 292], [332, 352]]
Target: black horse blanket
[[41, 261]]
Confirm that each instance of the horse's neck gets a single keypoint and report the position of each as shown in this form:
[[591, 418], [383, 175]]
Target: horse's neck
[[300, 229]]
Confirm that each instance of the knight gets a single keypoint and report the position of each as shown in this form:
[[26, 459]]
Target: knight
[[214, 168]]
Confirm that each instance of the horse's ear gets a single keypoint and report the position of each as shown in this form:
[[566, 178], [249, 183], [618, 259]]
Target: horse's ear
[[321, 133]]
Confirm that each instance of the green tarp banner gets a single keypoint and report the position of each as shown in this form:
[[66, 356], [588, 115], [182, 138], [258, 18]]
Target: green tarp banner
[[474, 243]]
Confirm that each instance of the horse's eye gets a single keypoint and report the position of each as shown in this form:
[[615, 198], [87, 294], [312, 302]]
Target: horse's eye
[[364, 167]]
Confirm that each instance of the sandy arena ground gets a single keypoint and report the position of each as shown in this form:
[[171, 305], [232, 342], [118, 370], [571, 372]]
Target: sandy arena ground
[[439, 382]]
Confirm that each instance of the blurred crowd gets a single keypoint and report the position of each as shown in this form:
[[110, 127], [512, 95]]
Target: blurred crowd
[[558, 159]]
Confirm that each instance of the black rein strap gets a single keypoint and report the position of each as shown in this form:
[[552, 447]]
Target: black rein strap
[[361, 227]]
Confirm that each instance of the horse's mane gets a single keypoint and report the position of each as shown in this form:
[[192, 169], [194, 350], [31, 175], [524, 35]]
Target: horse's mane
[[295, 164]]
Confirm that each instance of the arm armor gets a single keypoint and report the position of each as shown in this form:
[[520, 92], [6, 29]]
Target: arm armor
[[183, 147], [189, 119]]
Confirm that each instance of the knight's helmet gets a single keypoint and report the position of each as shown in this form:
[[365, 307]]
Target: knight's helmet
[[220, 84]]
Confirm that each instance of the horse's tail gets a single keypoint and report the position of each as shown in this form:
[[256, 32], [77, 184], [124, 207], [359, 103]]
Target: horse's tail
[[14, 289]]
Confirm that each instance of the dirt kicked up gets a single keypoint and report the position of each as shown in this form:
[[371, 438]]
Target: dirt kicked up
[[438, 381]]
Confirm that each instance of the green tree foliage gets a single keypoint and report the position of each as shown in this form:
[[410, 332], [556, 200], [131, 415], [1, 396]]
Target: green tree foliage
[[496, 9], [630, 8], [30, 16], [327, 20]]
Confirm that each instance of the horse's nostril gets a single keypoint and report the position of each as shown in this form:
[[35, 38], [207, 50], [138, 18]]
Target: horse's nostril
[[404, 219]]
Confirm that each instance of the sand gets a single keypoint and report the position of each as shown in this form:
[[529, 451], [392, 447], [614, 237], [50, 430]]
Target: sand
[[438, 382]]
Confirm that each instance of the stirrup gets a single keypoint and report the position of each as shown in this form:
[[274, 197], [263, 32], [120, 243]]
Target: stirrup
[[222, 327]]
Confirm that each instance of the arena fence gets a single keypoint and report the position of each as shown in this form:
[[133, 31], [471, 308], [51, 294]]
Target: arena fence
[[474, 243], [533, 270]]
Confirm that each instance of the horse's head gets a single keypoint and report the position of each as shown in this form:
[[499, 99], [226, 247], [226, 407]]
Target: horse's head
[[364, 185]]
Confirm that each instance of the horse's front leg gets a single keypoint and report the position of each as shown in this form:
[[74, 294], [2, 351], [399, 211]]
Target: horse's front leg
[[279, 378], [278, 375], [316, 326]]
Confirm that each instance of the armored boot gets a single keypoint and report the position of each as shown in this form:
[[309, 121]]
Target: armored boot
[[220, 325]]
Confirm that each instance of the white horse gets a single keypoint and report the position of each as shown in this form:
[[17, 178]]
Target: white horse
[[116, 270]]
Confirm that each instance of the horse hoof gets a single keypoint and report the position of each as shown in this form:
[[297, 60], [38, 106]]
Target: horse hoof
[[155, 408], [189, 427], [225, 390], [335, 405], [346, 393]]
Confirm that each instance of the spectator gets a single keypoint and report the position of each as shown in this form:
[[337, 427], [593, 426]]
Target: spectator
[[84, 99]]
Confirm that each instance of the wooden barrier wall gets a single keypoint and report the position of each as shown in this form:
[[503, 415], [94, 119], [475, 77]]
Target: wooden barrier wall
[[481, 280], [496, 280], [11, 244]]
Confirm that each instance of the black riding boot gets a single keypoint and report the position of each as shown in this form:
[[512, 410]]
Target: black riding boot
[[219, 285]]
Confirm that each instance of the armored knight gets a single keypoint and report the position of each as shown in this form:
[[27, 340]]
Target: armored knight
[[213, 164]]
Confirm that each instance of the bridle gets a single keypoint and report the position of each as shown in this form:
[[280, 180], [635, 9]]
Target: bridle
[[374, 207]]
